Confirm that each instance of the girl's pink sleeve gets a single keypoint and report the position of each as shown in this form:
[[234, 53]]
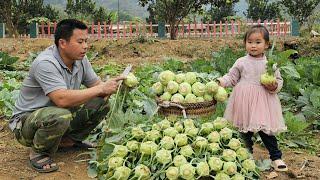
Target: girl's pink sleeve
[[279, 81], [232, 77]]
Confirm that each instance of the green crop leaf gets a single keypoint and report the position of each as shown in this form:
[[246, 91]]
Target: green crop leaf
[[7, 61], [149, 106], [92, 171], [315, 98], [294, 124], [173, 65], [290, 71], [263, 164]]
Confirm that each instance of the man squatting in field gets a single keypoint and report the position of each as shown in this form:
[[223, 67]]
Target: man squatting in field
[[51, 110]]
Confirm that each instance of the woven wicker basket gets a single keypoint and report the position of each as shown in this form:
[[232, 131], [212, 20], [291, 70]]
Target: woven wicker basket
[[186, 109]]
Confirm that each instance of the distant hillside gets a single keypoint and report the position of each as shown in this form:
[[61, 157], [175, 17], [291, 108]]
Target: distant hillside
[[132, 7], [129, 6]]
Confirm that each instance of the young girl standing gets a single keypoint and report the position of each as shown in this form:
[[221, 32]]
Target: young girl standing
[[253, 107]]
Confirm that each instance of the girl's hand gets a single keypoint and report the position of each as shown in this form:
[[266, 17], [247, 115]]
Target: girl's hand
[[220, 82], [271, 87]]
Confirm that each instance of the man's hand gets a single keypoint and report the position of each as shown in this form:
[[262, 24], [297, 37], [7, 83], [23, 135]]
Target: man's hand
[[109, 87], [271, 87]]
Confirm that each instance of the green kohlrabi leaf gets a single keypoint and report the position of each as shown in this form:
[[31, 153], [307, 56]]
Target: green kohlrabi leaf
[[6, 60], [286, 54], [316, 75], [264, 164], [92, 172], [149, 106], [290, 70], [315, 98]]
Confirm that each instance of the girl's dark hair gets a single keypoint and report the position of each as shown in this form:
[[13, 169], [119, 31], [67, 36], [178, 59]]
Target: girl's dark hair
[[260, 29], [65, 29]]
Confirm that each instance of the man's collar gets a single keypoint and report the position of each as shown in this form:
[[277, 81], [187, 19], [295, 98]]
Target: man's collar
[[56, 54]]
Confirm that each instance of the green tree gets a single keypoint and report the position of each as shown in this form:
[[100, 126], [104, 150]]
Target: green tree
[[219, 10], [300, 9], [263, 10], [102, 15], [124, 16], [7, 10], [152, 14], [80, 9], [173, 11], [16, 13]]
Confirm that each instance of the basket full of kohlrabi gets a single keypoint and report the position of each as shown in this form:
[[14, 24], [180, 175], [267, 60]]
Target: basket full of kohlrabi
[[187, 94]]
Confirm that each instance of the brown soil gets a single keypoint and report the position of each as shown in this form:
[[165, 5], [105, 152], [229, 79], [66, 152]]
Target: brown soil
[[294, 161], [14, 157], [126, 50], [14, 161]]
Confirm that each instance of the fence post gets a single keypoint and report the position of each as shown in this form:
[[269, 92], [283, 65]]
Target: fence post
[[220, 29], [278, 28], [49, 29], [285, 28], [42, 30], [105, 29], [34, 30], [177, 32], [92, 29], [118, 31], [2, 30], [271, 26], [232, 27], [182, 29], [124, 32], [137, 29], [151, 31], [54, 27], [208, 29], [130, 29], [214, 29], [99, 30], [239, 27], [201, 26], [111, 31], [161, 29], [295, 27], [227, 27], [195, 28], [189, 30]]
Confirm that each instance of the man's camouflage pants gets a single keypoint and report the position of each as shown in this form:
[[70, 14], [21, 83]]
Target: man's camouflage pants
[[43, 129]]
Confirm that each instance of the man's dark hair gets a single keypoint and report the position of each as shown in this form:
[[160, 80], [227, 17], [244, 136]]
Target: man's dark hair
[[65, 29]]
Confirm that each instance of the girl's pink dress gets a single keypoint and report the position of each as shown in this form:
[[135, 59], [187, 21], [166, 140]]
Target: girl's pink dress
[[251, 107]]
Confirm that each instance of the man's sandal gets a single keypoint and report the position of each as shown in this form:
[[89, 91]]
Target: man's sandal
[[279, 165], [39, 162]]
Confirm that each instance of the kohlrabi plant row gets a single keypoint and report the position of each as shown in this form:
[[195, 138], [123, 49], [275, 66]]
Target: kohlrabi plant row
[[180, 149], [187, 88]]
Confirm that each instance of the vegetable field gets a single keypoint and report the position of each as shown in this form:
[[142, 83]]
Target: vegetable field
[[135, 142]]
